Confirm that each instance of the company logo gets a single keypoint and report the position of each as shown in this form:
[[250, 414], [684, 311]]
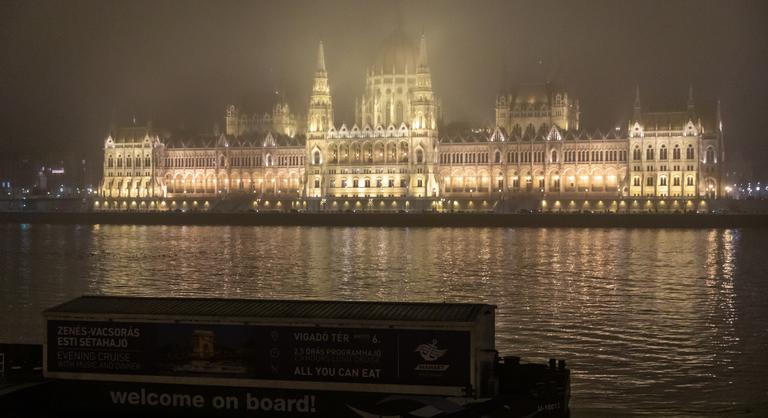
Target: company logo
[[430, 352]]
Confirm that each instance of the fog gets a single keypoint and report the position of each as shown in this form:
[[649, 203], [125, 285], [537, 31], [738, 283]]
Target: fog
[[70, 68]]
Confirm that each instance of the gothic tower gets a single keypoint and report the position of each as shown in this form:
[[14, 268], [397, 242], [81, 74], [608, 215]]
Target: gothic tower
[[423, 107], [424, 113], [691, 104], [636, 106], [320, 115]]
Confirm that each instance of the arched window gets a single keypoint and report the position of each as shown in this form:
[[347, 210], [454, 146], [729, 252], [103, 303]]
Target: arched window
[[649, 153], [497, 157], [419, 156], [404, 152], [554, 156], [119, 161], [636, 155], [221, 161], [710, 155], [356, 153], [334, 154], [316, 157], [399, 112], [110, 162], [676, 152], [711, 189], [689, 154], [663, 152]]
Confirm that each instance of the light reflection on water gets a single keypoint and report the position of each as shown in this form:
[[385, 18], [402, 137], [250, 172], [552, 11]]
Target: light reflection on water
[[670, 321]]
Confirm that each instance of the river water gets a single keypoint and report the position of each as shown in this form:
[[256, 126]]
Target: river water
[[672, 322]]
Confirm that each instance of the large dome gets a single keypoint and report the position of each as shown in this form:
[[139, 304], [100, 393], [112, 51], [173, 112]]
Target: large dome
[[398, 52]]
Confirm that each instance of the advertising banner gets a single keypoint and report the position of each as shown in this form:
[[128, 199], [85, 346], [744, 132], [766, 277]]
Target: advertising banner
[[164, 400], [314, 354]]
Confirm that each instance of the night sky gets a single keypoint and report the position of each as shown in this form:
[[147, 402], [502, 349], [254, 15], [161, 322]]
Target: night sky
[[70, 68]]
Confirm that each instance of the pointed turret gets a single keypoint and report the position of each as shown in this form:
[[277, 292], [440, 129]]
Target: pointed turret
[[637, 107], [423, 106], [719, 118], [320, 115], [423, 65], [320, 58], [691, 103]]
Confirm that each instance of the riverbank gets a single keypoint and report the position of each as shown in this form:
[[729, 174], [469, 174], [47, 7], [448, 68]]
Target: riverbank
[[396, 219]]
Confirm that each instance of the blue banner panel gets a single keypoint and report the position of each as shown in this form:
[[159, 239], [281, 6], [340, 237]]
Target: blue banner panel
[[258, 352]]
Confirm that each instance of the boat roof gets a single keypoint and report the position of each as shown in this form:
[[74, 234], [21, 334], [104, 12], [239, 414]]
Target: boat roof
[[275, 309]]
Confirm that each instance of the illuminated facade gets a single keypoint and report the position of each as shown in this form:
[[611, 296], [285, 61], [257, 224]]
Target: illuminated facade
[[536, 107], [392, 157], [391, 152], [280, 121]]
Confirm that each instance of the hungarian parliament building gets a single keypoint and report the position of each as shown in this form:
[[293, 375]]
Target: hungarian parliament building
[[395, 157]]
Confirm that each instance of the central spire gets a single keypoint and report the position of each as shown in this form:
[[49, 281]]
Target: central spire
[[422, 63], [320, 57]]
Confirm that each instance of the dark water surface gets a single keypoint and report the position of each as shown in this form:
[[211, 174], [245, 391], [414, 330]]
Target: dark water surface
[[662, 321]]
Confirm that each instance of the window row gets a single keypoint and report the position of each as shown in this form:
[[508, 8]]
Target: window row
[[365, 183], [129, 161], [179, 162], [127, 174], [234, 161], [583, 156], [650, 153], [650, 181], [464, 158], [366, 153]]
